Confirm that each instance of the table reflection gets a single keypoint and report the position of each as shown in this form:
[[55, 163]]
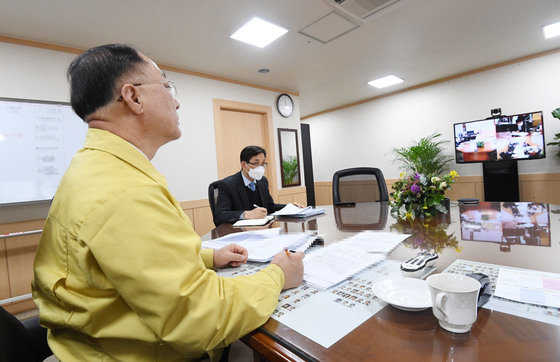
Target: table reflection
[[523, 223], [427, 235], [355, 219]]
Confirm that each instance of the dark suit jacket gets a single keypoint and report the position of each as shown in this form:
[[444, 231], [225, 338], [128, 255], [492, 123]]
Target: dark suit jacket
[[233, 200]]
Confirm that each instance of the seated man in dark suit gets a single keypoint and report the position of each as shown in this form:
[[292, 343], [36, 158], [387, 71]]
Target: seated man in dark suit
[[245, 195]]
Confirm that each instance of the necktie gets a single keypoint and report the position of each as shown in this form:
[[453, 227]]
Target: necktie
[[252, 186]]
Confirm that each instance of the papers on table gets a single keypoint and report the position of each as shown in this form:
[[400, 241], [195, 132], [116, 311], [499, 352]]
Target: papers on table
[[292, 210], [335, 263], [262, 245], [529, 286], [535, 312], [253, 222], [376, 242]]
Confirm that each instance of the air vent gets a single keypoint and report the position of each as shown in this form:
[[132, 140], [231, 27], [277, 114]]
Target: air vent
[[364, 10]]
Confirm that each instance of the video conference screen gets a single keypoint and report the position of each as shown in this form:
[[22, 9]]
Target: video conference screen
[[525, 223], [518, 137]]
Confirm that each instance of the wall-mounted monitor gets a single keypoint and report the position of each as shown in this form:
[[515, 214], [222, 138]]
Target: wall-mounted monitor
[[517, 137], [37, 141]]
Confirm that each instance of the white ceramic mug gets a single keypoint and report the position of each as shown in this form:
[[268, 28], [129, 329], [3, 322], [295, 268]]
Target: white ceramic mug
[[454, 300]]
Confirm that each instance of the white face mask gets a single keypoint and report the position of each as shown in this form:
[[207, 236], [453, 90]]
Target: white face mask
[[256, 173]]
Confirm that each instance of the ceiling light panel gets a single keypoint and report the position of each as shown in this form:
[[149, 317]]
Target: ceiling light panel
[[552, 30], [385, 81], [259, 33]]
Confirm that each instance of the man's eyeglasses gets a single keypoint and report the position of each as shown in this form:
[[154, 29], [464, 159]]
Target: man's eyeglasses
[[264, 164], [169, 85]]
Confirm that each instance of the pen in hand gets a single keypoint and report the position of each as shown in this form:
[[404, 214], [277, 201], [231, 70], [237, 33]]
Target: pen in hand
[[288, 251]]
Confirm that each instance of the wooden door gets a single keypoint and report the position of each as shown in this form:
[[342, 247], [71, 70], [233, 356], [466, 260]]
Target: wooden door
[[242, 124]]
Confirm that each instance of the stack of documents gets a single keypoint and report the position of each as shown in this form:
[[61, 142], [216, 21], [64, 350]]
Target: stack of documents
[[291, 210], [337, 262], [262, 245]]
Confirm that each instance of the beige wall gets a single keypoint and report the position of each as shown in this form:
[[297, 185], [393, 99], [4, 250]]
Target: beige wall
[[365, 134]]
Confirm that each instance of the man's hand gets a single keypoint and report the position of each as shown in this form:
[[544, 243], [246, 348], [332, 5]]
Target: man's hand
[[232, 255], [298, 205], [292, 265], [256, 213]]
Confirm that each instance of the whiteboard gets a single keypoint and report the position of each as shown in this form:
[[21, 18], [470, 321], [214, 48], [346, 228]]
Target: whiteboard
[[37, 142]]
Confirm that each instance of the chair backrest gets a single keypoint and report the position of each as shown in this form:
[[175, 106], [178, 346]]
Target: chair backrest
[[22, 341], [213, 196], [358, 185]]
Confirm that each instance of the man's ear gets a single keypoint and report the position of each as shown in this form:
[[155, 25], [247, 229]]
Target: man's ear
[[131, 99]]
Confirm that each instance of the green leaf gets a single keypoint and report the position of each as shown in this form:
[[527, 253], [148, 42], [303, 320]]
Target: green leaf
[[556, 113], [290, 170], [425, 157]]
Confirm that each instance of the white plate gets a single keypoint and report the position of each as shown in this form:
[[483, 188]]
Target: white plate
[[408, 294]]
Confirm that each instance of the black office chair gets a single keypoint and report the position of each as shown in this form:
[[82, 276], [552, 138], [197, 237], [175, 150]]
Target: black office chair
[[347, 186], [213, 196], [22, 341]]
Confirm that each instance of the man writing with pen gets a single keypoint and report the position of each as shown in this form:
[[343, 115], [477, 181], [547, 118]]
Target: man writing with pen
[[245, 195]]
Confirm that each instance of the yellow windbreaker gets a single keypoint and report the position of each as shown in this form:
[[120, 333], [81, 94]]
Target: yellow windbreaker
[[120, 274]]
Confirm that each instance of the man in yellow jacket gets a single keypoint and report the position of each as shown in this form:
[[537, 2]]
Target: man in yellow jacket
[[119, 272]]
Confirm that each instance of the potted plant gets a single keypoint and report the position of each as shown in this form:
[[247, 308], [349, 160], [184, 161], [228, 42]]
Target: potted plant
[[421, 193], [556, 114], [425, 157]]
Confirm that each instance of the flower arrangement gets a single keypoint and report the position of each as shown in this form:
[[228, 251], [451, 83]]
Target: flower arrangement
[[427, 236], [420, 195]]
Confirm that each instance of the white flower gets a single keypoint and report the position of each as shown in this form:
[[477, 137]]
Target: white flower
[[443, 185], [435, 179]]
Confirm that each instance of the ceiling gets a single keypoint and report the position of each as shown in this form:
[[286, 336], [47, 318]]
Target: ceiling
[[419, 41]]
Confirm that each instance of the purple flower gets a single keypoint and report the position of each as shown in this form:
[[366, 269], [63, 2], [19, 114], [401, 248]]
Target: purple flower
[[417, 175], [415, 188]]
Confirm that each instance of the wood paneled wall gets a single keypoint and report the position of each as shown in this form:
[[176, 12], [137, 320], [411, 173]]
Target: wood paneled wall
[[293, 194], [542, 187], [16, 263], [200, 214]]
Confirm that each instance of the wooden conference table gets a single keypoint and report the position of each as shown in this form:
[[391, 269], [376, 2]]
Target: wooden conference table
[[523, 235]]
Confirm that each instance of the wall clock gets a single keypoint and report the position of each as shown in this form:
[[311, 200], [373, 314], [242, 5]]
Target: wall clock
[[285, 105]]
